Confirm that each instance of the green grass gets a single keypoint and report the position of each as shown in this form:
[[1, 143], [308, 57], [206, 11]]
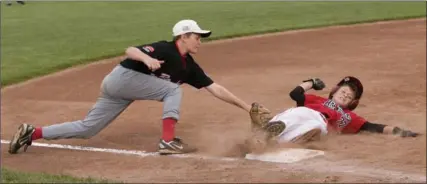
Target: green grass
[[10, 176], [43, 37]]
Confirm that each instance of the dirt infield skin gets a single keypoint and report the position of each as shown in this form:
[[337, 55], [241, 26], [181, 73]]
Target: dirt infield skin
[[389, 58]]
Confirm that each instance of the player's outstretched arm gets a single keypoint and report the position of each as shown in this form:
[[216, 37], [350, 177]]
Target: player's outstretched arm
[[226, 96], [386, 129]]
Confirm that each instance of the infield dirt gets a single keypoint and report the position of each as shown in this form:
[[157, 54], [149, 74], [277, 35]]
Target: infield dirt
[[388, 57]]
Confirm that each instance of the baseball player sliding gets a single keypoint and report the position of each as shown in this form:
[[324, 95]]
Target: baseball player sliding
[[314, 116], [150, 72]]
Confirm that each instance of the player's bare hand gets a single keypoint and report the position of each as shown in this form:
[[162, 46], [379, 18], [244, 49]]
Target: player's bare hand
[[153, 64], [317, 83]]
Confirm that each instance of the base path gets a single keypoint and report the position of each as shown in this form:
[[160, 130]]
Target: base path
[[389, 58]]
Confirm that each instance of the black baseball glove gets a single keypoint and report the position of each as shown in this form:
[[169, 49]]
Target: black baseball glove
[[317, 83]]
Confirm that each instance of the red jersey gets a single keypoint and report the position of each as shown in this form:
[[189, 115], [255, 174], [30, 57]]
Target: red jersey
[[343, 120]]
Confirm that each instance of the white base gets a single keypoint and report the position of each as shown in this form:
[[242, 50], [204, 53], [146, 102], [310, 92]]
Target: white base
[[289, 155]]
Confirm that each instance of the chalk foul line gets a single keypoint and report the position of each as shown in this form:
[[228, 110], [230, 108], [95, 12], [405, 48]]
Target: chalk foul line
[[316, 166], [121, 151]]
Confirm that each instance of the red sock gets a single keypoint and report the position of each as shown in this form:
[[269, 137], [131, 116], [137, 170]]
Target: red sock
[[168, 129], [38, 134]]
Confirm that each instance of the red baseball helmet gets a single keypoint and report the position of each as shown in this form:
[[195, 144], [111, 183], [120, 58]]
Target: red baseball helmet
[[355, 84]]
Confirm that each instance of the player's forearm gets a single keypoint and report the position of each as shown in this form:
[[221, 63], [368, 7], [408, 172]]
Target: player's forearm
[[298, 93], [306, 85], [386, 129], [377, 128], [373, 127], [135, 54], [226, 96]]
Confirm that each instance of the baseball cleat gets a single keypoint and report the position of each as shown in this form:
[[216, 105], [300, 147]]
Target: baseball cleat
[[176, 146], [22, 138], [274, 128], [311, 135]]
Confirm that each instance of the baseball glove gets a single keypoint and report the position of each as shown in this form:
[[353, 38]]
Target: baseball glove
[[317, 83], [261, 120]]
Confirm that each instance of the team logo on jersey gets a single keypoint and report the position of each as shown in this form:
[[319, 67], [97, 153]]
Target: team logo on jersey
[[148, 48], [345, 118]]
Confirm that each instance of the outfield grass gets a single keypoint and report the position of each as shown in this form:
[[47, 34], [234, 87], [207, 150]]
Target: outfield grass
[[43, 37], [11, 176]]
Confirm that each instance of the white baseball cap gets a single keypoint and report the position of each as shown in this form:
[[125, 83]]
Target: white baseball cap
[[189, 26]]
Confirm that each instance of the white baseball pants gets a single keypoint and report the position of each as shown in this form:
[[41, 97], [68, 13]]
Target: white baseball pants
[[300, 120]]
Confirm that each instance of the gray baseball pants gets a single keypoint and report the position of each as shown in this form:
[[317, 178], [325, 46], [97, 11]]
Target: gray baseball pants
[[118, 90]]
